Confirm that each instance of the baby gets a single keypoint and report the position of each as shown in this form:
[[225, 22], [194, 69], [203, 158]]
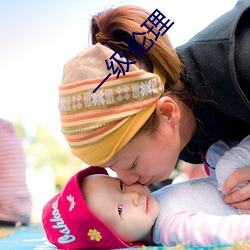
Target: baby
[[96, 211]]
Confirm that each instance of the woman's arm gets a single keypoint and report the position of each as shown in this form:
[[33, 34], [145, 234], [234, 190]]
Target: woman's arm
[[233, 175], [237, 157], [240, 198]]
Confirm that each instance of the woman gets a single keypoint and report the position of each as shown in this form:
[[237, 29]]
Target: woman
[[131, 124]]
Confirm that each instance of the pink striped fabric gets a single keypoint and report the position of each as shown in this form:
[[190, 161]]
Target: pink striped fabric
[[201, 229], [15, 200]]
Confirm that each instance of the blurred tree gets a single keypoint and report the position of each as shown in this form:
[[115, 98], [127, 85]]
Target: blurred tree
[[20, 130], [45, 150]]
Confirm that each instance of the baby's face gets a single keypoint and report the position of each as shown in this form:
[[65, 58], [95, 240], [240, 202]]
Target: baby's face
[[130, 211]]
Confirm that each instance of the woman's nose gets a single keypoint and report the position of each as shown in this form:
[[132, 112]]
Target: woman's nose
[[126, 177]]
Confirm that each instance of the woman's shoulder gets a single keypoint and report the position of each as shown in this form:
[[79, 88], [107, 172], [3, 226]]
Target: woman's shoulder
[[209, 65]]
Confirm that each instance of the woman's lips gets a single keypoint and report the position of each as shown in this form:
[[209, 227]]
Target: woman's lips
[[148, 183]]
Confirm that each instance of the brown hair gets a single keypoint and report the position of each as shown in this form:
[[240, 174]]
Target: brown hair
[[113, 27]]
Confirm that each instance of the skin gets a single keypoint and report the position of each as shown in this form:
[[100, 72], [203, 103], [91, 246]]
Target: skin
[[130, 211], [131, 161], [159, 153], [240, 198]]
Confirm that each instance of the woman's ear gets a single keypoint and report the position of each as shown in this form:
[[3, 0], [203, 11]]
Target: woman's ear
[[168, 110]]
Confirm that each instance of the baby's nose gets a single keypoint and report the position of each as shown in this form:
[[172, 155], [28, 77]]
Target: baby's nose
[[133, 197]]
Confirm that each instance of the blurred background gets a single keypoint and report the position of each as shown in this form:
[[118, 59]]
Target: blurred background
[[36, 40]]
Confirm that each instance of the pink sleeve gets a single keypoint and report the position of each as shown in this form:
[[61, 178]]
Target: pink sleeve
[[201, 229], [15, 200]]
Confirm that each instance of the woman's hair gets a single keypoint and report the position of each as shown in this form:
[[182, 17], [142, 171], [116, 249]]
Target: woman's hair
[[113, 27]]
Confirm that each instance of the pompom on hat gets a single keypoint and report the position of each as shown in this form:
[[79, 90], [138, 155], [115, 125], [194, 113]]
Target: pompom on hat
[[69, 223], [98, 124]]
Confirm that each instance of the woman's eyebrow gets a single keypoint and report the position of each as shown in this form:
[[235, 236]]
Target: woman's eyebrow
[[115, 163], [111, 168]]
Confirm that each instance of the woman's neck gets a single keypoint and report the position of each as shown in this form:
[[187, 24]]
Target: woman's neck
[[187, 125]]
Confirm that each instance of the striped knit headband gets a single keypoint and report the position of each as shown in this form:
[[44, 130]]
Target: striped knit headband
[[97, 125]]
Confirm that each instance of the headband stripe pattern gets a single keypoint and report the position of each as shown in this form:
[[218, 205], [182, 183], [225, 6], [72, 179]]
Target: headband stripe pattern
[[88, 117], [80, 96], [97, 125]]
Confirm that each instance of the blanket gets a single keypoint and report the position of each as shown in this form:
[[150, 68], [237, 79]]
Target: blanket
[[33, 238]]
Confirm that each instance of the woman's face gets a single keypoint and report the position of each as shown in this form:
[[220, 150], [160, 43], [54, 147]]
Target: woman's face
[[147, 159]]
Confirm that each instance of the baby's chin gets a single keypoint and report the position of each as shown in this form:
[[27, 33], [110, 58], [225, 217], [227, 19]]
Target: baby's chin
[[153, 209]]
